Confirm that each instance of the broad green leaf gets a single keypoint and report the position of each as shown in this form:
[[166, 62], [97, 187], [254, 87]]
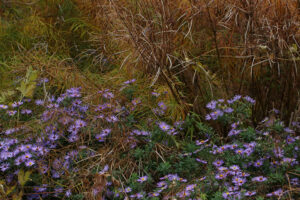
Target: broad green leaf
[[2, 187], [18, 196], [28, 85], [5, 95], [23, 177], [10, 189]]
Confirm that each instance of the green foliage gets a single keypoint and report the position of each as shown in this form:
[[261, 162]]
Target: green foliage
[[23, 177], [276, 178], [5, 95], [218, 196], [164, 167], [77, 197], [249, 134], [28, 85]]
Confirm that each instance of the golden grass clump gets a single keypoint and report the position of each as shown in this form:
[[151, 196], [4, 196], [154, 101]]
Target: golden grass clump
[[194, 47]]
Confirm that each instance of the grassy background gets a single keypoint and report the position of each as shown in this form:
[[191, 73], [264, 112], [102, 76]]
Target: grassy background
[[195, 50]]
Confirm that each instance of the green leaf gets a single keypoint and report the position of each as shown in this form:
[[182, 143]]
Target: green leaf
[[23, 177], [28, 85], [18, 196], [5, 95], [10, 189]]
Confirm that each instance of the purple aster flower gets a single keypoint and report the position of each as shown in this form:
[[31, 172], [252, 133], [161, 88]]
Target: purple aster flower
[[173, 177], [258, 163], [228, 110], [201, 161], [227, 195], [10, 131], [53, 137], [136, 101], [155, 94], [145, 133], [288, 130], [153, 194], [239, 151], [164, 126], [233, 188], [295, 181], [112, 119], [172, 131], [183, 194], [211, 105], [80, 123], [233, 146], [29, 163], [101, 137], [250, 193], [249, 99], [4, 107], [259, 179], [26, 111], [162, 105], [27, 156], [178, 124], [73, 92], [11, 112], [17, 104], [234, 99], [76, 102], [73, 138], [243, 174], [127, 190], [207, 117], [201, 142], [238, 181], [221, 176], [278, 152], [278, 192], [73, 129], [217, 113], [252, 144], [142, 179], [106, 131], [43, 80], [139, 195], [234, 132], [248, 151], [223, 169], [4, 167], [104, 170], [234, 168], [26, 100], [235, 125], [190, 187], [129, 81], [218, 163], [65, 120], [290, 140], [288, 160], [68, 193]]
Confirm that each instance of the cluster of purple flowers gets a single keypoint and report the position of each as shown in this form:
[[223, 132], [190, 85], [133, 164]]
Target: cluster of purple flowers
[[102, 136], [167, 128], [165, 182], [221, 107], [66, 121], [161, 109]]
